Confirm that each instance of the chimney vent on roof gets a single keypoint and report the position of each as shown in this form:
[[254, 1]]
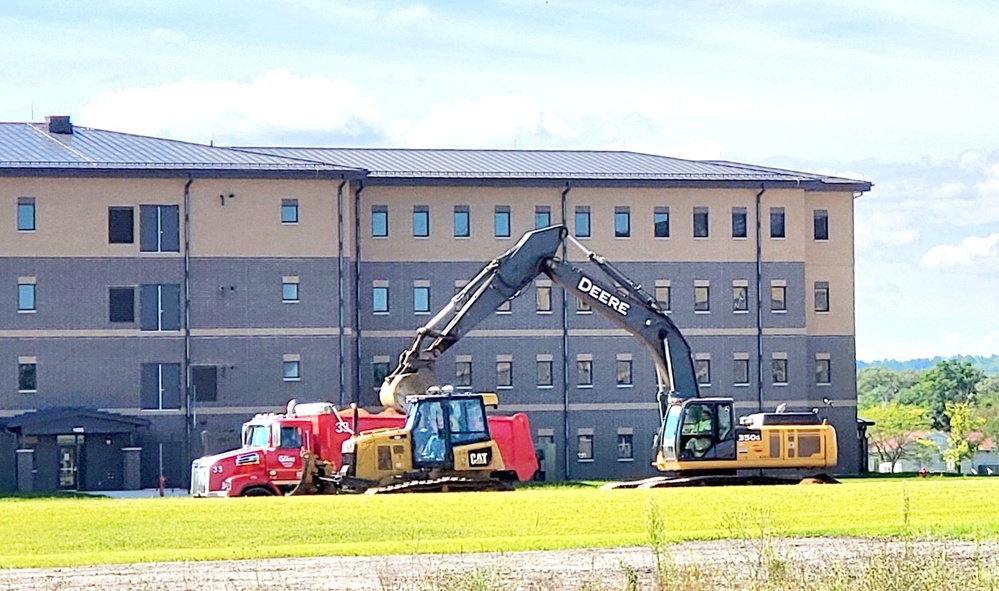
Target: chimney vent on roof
[[59, 124]]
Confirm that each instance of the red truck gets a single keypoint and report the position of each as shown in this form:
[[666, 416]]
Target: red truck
[[270, 461]]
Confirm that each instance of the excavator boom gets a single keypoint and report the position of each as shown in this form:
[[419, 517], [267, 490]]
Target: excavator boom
[[622, 301]]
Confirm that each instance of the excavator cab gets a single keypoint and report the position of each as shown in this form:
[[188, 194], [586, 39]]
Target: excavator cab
[[698, 429]]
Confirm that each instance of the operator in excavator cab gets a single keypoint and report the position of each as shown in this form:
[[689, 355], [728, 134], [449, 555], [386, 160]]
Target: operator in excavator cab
[[697, 431]]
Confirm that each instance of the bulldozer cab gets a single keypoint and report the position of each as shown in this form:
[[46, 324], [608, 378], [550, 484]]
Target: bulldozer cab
[[699, 429], [439, 423]]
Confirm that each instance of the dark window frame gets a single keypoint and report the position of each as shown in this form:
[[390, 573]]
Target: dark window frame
[[122, 312], [121, 225], [502, 221], [379, 221], [462, 215]]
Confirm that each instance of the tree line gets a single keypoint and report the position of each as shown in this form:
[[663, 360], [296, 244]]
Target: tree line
[[953, 397]]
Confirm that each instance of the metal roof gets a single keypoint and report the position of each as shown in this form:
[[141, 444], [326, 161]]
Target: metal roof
[[32, 149], [389, 163], [28, 147]]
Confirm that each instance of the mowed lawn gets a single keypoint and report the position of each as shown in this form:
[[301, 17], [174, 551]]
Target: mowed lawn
[[40, 532]]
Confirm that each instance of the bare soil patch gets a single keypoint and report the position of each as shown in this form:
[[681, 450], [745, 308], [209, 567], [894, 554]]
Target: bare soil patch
[[549, 570]]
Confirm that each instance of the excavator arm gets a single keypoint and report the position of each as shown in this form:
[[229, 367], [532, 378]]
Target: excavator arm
[[624, 303]]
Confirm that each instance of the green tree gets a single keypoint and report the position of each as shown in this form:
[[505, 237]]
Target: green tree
[[898, 431], [877, 386], [948, 381], [963, 423]]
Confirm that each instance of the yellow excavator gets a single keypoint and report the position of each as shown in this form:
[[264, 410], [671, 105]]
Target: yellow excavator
[[700, 440]]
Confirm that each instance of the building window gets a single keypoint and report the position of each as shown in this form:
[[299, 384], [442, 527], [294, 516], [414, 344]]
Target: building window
[[543, 298], [820, 224], [583, 307], [700, 222], [421, 221], [622, 222], [821, 296], [121, 225], [380, 299], [542, 217], [777, 222], [778, 297], [624, 372], [289, 290], [159, 228], [27, 376], [379, 370], [544, 373], [625, 446], [740, 371], [504, 374], [740, 298], [204, 379], [823, 374], [664, 296], [26, 214], [702, 370], [379, 221], [159, 307], [462, 222], [778, 370], [121, 304], [584, 448], [501, 221], [26, 296], [702, 298], [463, 374], [160, 388], [292, 370], [582, 221], [660, 221], [289, 211], [421, 299], [584, 372], [739, 227]]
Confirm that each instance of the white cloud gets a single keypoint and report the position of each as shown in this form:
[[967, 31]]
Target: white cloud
[[970, 251], [414, 15], [499, 121], [272, 104], [168, 36]]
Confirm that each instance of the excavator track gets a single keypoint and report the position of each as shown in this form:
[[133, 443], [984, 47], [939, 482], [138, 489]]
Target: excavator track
[[716, 480], [442, 484]]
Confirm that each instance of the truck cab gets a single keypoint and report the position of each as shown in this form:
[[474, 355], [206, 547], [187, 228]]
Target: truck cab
[[269, 461]]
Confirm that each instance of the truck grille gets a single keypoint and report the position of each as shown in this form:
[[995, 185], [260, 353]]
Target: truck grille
[[199, 480]]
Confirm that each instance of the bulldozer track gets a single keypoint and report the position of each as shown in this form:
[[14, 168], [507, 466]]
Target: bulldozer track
[[442, 484]]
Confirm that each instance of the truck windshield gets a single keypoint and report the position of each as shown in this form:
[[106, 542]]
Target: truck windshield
[[257, 436]]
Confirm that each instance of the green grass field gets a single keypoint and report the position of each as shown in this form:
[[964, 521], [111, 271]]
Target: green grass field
[[40, 532]]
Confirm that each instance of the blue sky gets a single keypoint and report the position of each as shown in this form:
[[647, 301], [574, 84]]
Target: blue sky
[[901, 93]]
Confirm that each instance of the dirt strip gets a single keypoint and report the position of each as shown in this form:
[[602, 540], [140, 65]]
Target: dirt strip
[[550, 570]]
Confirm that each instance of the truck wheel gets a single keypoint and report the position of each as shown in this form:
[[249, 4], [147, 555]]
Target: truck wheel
[[257, 491]]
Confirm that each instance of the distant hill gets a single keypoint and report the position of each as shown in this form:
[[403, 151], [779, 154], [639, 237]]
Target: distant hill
[[989, 364]]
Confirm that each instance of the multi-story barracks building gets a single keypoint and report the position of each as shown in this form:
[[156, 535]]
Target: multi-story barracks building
[[160, 293]]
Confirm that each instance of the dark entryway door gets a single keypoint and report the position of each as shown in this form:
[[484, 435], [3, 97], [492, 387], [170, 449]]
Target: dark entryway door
[[69, 461]]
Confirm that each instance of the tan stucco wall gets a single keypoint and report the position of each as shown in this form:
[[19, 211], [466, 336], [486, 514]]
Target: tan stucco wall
[[833, 261], [71, 216], [249, 224]]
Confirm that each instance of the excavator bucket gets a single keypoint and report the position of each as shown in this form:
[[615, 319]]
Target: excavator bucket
[[395, 389]]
